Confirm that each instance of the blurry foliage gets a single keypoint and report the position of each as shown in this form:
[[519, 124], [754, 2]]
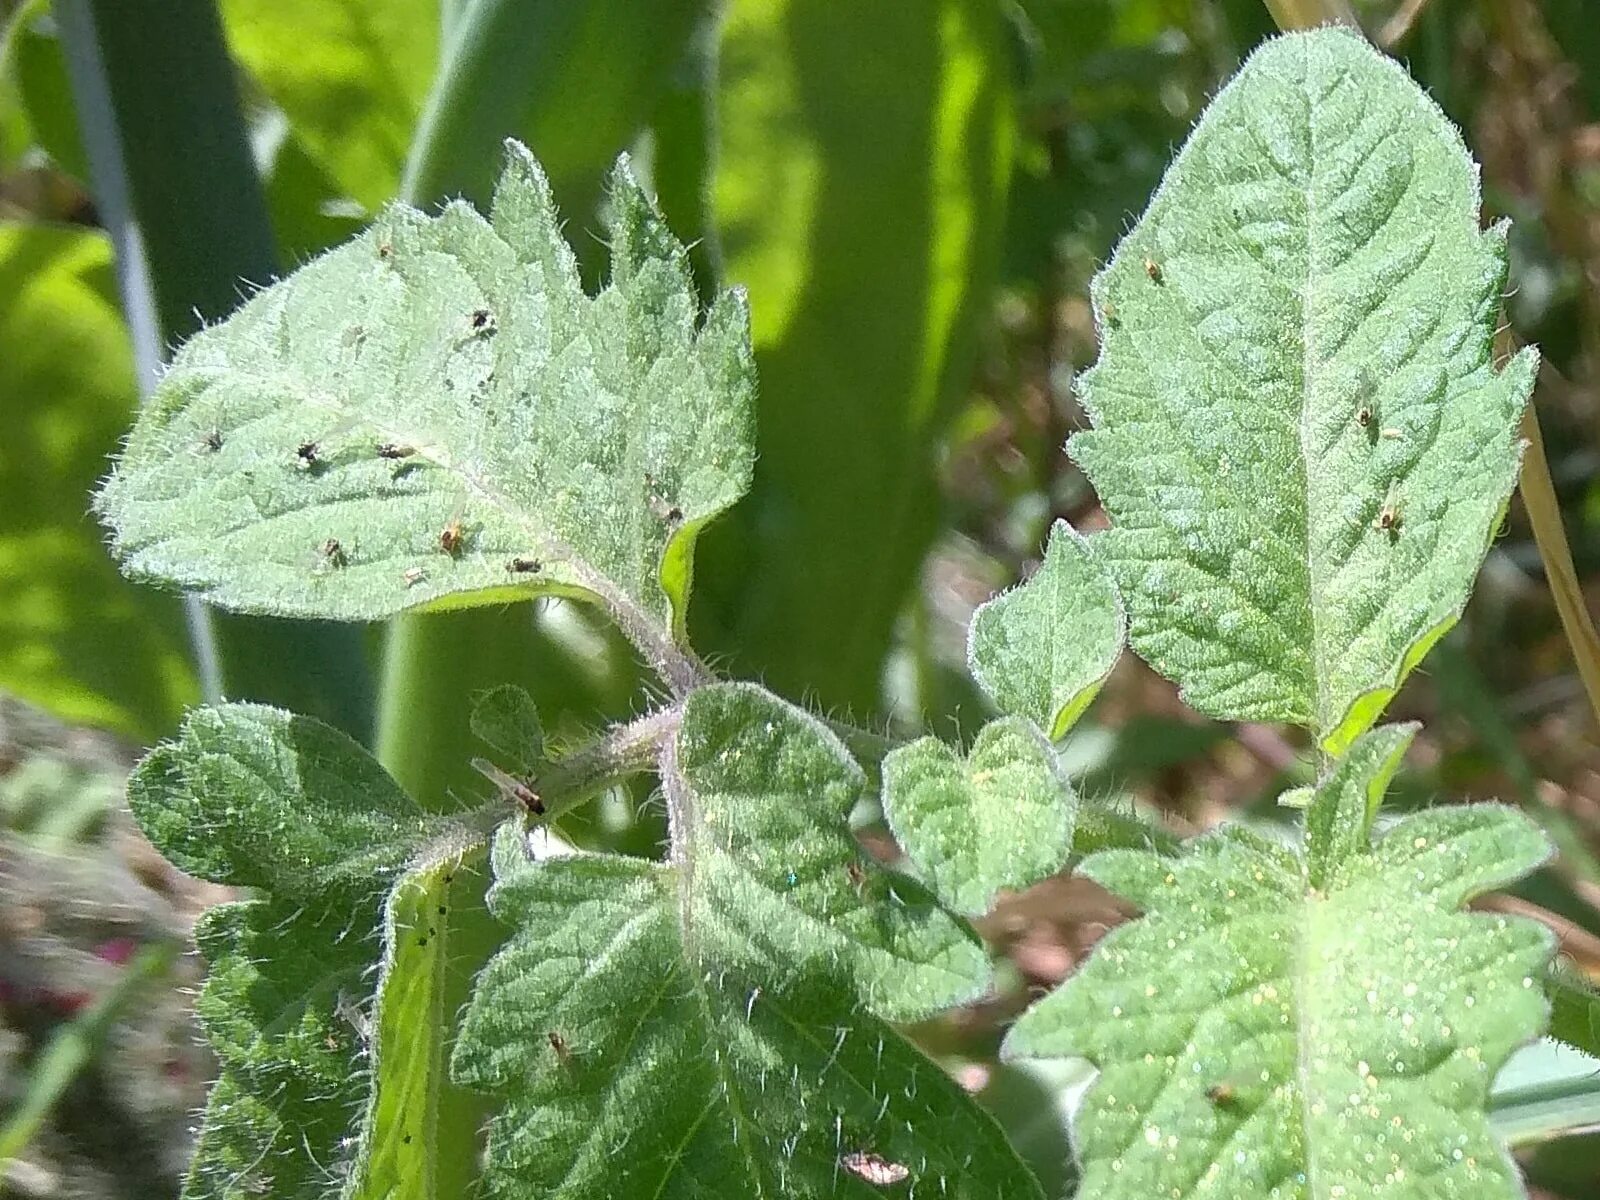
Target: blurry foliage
[[1074, 107]]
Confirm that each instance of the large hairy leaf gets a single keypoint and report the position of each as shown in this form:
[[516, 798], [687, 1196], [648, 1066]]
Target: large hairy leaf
[[1299, 431], [329, 997], [437, 409], [631, 1066], [1311, 1027]]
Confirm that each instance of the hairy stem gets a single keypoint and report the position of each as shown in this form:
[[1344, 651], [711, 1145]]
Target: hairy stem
[[622, 751]]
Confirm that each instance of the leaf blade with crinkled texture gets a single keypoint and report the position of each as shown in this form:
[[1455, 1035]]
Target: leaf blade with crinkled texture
[[1298, 428], [326, 997], [1043, 649], [436, 413], [1003, 818], [600, 1004], [760, 791], [1258, 1035]]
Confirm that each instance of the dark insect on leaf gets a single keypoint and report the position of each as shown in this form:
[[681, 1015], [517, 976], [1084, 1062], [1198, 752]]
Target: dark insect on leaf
[[451, 538], [510, 786], [524, 566], [307, 453], [395, 450]]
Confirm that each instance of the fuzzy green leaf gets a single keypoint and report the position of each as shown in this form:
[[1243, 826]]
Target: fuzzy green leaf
[[1003, 818], [506, 719], [601, 1008], [437, 412], [326, 997], [760, 792], [1299, 431], [1258, 1035], [1043, 649]]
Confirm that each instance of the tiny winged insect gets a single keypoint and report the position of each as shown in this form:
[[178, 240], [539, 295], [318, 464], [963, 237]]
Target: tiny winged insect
[[453, 537], [874, 1168], [510, 786], [1388, 518]]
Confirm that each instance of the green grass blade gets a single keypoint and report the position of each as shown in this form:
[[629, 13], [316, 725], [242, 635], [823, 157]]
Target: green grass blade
[[175, 184], [861, 206]]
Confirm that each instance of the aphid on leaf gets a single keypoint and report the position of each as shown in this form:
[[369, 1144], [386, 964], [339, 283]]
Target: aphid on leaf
[[524, 566], [559, 1045], [452, 537], [874, 1168], [333, 553], [1364, 416], [1153, 269], [665, 511], [1388, 518], [395, 450], [510, 786], [414, 576], [1222, 1094]]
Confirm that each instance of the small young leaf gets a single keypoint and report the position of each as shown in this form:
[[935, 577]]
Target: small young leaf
[[320, 1092], [1001, 819], [436, 409], [1043, 649], [1299, 431], [1341, 808], [1256, 1032], [631, 1067], [775, 884], [506, 719]]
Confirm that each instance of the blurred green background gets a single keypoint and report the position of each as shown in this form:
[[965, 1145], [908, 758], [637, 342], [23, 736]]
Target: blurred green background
[[915, 195]]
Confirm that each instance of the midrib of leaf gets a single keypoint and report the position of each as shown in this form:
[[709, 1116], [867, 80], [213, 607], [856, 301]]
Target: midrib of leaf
[[1302, 960], [1313, 589]]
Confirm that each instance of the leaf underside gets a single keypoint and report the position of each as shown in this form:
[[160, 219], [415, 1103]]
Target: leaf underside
[[600, 1008], [1043, 649], [1298, 429], [437, 409], [1259, 1036]]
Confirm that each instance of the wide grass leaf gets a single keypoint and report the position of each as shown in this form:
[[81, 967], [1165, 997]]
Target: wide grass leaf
[[1299, 430], [329, 996], [1001, 818], [74, 638], [437, 412], [1261, 1033], [631, 1066]]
